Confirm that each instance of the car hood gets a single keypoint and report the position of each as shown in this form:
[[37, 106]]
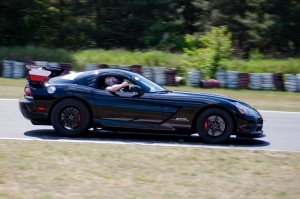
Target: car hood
[[203, 97]]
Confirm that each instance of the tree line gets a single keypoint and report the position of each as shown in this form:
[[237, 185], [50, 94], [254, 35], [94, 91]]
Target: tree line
[[270, 26]]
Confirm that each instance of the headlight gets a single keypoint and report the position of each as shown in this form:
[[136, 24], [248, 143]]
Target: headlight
[[244, 110]]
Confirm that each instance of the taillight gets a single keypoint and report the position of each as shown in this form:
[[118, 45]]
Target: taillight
[[27, 91]]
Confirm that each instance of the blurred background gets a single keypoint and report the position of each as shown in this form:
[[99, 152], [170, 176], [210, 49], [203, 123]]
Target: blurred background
[[209, 36]]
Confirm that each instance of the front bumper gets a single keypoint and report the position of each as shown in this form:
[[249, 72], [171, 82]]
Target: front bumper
[[251, 129], [29, 111]]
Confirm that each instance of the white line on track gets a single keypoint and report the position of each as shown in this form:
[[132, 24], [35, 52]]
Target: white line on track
[[147, 144]]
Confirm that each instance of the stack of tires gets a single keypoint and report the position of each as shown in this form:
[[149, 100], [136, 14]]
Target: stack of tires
[[147, 71], [67, 68], [211, 83], [298, 81], [267, 81], [291, 82], [124, 67], [159, 75], [114, 66], [7, 68], [41, 63], [194, 77], [136, 69], [54, 64], [243, 80], [102, 66], [18, 70], [221, 77], [170, 76], [232, 79], [91, 67], [278, 81], [255, 81]]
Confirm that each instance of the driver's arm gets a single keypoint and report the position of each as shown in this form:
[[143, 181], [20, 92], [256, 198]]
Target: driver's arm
[[116, 87]]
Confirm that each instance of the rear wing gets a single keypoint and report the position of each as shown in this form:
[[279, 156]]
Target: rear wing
[[38, 74]]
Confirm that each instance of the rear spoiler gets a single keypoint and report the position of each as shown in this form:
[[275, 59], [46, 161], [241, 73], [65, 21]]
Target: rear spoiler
[[38, 74]]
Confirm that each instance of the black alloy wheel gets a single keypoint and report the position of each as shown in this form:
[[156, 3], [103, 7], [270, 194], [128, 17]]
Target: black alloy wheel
[[214, 126], [70, 117]]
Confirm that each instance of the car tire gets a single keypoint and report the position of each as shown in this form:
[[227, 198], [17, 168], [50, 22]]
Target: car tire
[[214, 126], [70, 117]]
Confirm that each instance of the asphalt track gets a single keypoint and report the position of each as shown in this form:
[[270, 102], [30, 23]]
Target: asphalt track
[[282, 131]]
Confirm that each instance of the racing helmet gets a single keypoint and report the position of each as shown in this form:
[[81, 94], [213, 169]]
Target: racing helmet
[[109, 81]]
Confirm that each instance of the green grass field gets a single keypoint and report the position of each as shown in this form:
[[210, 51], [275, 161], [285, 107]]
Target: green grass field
[[48, 170]]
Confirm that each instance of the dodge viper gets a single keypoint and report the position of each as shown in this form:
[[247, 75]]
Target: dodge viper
[[76, 102]]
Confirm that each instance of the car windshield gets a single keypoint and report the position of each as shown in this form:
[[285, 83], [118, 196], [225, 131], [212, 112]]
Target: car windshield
[[148, 85]]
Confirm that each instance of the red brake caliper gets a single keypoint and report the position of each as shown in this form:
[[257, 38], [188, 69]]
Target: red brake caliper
[[205, 125]]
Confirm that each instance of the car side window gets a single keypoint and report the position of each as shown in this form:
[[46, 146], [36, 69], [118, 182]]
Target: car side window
[[101, 85]]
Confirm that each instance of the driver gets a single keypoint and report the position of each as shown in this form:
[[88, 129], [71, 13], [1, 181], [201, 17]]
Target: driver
[[114, 84]]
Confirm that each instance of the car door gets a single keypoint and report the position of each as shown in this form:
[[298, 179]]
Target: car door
[[126, 109]]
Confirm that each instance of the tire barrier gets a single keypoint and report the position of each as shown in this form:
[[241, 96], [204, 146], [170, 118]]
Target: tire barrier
[[101, 66], [212, 83], [15, 69], [114, 66], [278, 81], [41, 63], [159, 75], [91, 67], [147, 71], [18, 70], [243, 80], [167, 76], [221, 77], [255, 81], [170, 76], [267, 81], [194, 77], [136, 69], [291, 83], [232, 79], [53, 64], [67, 68], [124, 67], [298, 81], [7, 68], [0, 68]]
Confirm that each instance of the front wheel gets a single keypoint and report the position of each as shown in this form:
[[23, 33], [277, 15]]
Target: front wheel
[[70, 117], [214, 126]]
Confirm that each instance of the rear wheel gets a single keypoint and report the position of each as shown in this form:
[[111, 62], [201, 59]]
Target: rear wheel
[[214, 125], [70, 117]]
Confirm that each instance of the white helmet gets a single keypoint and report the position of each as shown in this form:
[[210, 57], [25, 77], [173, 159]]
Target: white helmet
[[109, 81]]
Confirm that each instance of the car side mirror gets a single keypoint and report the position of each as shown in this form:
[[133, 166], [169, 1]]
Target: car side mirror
[[136, 89]]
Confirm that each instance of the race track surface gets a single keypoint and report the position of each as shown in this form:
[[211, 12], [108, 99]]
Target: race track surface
[[282, 131]]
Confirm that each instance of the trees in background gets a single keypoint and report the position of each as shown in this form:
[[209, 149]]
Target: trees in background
[[207, 51], [270, 26]]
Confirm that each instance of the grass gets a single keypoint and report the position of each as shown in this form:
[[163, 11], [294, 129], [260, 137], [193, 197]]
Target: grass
[[123, 57], [32, 53], [291, 65], [35, 169], [263, 100]]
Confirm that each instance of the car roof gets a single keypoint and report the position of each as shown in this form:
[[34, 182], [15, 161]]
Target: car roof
[[108, 71], [87, 77]]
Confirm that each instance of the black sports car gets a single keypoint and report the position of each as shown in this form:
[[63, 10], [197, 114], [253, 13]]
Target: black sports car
[[76, 102]]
